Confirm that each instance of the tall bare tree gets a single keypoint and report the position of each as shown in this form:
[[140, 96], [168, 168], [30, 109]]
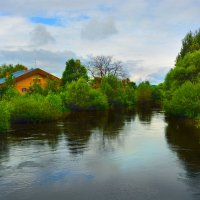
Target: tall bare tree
[[100, 66]]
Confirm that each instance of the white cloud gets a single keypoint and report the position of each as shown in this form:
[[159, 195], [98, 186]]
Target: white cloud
[[99, 29], [52, 61], [40, 36]]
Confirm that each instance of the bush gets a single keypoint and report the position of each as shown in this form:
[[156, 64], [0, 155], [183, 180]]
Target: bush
[[4, 116], [185, 101], [117, 93], [144, 93], [36, 108], [80, 96], [10, 93], [36, 88]]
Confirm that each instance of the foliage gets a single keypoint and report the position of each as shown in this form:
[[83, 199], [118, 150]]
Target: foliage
[[157, 94], [10, 93], [144, 93], [117, 93], [80, 96], [6, 70], [190, 43], [187, 69], [55, 101], [36, 88], [73, 71], [52, 86], [36, 108], [185, 101], [4, 116]]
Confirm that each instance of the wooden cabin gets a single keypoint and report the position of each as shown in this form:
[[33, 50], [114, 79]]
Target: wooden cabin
[[25, 78]]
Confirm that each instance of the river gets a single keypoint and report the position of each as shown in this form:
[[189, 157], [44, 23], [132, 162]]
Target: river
[[102, 155]]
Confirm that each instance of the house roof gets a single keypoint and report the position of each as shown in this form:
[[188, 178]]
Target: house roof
[[20, 75]]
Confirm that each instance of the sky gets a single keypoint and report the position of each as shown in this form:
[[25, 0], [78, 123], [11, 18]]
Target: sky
[[144, 34]]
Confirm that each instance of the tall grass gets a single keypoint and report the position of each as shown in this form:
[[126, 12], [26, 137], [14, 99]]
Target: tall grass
[[4, 116], [36, 108]]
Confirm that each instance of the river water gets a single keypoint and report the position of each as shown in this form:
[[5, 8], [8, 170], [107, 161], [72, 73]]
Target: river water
[[103, 155]]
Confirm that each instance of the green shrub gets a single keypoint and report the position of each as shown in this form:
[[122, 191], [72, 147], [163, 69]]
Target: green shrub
[[4, 116], [80, 96], [36, 88], [185, 101], [10, 93], [54, 100], [117, 93], [36, 108], [144, 93]]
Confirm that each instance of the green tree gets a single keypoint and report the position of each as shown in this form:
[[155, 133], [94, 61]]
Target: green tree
[[117, 92], [6, 70], [185, 101], [144, 93], [80, 96], [73, 71], [36, 88], [190, 43], [186, 69], [52, 86]]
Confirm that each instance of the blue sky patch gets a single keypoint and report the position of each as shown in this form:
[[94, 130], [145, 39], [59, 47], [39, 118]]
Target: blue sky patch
[[105, 8], [53, 21], [82, 17], [2, 14]]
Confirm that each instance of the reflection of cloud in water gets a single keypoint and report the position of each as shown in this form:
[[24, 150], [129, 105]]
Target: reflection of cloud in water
[[64, 176]]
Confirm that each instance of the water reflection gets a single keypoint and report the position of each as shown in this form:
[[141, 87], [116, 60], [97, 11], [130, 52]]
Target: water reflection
[[4, 149], [27, 134], [184, 139], [79, 127], [145, 113]]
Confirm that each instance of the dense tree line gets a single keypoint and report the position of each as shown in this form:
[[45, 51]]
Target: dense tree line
[[182, 83]]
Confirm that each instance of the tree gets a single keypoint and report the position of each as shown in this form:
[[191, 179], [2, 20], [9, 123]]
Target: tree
[[6, 70], [73, 71], [187, 69], [190, 43], [118, 94], [80, 96], [185, 101], [144, 92], [101, 66]]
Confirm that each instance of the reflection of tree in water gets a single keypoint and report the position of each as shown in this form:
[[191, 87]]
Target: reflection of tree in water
[[80, 126], [116, 120], [184, 139], [4, 146], [38, 134], [145, 113]]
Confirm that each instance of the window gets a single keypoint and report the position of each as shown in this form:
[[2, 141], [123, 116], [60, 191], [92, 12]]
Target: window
[[24, 89]]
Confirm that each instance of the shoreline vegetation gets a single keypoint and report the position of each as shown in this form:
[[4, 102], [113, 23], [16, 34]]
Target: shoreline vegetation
[[104, 85]]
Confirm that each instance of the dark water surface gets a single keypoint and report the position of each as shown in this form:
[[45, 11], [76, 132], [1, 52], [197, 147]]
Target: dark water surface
[[97, 156]]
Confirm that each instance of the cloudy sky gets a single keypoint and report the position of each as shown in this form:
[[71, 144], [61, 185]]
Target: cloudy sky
[[145, 34]]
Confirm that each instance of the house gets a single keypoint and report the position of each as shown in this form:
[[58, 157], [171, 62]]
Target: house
[[25, 78]]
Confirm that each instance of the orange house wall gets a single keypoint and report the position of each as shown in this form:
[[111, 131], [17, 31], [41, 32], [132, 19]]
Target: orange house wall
[[27, 82]]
